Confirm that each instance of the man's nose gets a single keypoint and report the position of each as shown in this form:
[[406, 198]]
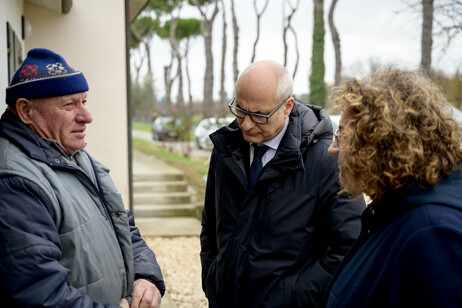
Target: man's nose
[[247, 122], [84, 114]]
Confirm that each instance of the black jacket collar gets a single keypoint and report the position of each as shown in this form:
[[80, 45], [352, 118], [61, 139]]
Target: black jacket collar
[[307, 124]]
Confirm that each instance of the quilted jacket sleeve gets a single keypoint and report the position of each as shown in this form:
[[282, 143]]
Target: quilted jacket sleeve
[[145, 262], [30, 250]]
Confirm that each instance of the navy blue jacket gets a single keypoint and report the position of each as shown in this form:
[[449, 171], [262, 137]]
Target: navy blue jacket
[[279, 243], [409, 253]]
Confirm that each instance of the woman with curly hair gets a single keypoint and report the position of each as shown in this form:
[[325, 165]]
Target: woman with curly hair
[[398, 143]]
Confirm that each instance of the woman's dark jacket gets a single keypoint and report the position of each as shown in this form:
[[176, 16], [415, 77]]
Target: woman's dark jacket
[[65, 237], [278, 244], [409, 253]]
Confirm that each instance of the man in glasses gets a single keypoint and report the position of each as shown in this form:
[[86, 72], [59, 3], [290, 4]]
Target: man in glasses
[[274, 227]]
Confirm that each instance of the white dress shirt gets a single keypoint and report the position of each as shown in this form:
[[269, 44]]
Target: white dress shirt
[[273, 145]]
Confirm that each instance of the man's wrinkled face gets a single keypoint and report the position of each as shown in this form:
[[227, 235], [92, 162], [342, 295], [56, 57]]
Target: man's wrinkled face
[[62, 118], [259, 133], [259, 90]]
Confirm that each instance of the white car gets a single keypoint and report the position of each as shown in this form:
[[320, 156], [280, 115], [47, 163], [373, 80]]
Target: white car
[[206, 127], [166, 128]]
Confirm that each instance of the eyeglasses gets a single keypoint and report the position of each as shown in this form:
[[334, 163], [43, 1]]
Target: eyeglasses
[[255, 117], [336, 138]]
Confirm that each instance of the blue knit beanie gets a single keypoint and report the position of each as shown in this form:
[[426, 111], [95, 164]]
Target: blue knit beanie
[[44, 74]]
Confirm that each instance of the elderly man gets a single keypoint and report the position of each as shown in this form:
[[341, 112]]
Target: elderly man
[[66, 239], [274, 226]]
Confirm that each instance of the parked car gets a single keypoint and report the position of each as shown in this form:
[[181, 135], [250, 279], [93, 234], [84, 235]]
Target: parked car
[[166, 128], [206, 127]]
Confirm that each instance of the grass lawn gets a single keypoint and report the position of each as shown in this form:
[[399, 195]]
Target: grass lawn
[[145, 127]]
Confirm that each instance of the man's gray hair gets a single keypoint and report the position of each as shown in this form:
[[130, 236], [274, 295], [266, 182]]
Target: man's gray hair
[[285, 84]]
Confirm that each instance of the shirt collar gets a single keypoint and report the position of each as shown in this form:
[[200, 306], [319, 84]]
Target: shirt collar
[[274, 143]]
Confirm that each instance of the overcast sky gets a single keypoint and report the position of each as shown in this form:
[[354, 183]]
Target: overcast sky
[[382, 31]]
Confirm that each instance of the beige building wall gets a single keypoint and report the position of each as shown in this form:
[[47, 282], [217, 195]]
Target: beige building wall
[[10, 11], [91, 37]]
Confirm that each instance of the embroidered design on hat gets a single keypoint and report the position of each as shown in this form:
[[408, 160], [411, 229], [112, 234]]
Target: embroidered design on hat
[[56, 69], [44, 74], [28, 72]]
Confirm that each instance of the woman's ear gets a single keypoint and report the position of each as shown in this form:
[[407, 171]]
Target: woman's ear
[[24, 110]]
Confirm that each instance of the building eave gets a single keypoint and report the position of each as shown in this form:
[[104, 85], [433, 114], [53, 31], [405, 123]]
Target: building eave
[[136, 6], [57, 6]]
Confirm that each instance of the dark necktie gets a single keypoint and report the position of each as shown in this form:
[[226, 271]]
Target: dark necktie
[[257, 165]]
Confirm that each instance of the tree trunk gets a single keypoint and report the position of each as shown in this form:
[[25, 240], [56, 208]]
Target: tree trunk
[[336, 42], [145, 39], [223, 56], [137, 66], [188, 77], [287, 26], [317, 85], [259, 14], [168, 80], [208, 78], [168, 85], [207, 27], [427, 40], [176, 55], [236, 43], [147, 45], [297, 53], [179, 75]]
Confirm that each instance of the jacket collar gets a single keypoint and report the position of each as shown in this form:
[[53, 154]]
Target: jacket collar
[[307, 124], [29, 142], [445, 193]]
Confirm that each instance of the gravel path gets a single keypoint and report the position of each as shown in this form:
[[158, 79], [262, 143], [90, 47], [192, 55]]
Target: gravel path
[[179, 260]]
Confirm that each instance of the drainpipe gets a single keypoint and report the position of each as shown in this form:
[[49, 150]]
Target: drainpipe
[[129, 109]]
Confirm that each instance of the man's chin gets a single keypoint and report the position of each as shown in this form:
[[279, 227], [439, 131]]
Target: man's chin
[[252, 138], [71, 149]]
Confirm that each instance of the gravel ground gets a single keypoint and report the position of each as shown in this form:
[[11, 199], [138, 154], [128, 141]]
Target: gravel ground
[[179, 260]]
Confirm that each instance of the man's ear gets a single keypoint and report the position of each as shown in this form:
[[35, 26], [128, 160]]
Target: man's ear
[[24, 110], [288, 106]]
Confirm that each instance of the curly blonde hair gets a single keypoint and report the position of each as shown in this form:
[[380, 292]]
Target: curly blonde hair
[[400, 133]]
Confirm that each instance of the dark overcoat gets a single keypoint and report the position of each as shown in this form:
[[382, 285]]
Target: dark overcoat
[[277, 244]]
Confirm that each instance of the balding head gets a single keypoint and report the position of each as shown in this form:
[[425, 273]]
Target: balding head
[[263, 89], [265, 79]]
